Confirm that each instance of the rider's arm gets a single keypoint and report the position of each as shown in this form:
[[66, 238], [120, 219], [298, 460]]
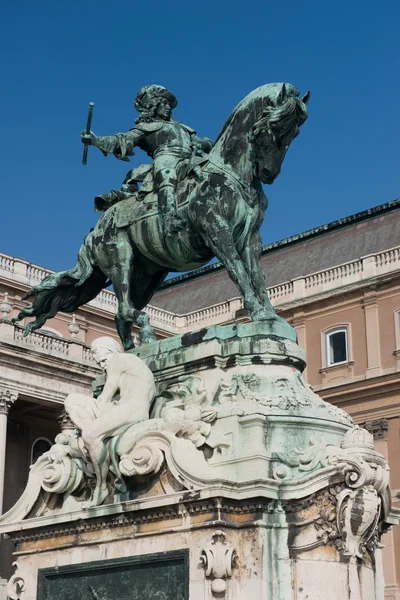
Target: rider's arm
[[205, 143], [121, 144], [111, 386]]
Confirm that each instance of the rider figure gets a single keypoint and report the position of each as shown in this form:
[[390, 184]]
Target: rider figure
[[165, 140]]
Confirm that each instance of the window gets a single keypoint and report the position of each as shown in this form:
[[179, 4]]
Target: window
[[336, 347], [39, 447], [397, 329]]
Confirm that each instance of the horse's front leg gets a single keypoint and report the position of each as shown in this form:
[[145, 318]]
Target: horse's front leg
[[219, 239], [251, 258]]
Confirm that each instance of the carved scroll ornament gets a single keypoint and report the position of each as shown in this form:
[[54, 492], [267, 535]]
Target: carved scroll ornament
[[218, 560]]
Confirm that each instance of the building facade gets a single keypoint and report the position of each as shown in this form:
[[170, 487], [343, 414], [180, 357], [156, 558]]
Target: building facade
[[338, 285]]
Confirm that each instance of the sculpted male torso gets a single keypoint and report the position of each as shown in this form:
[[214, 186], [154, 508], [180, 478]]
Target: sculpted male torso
[[101, 418]]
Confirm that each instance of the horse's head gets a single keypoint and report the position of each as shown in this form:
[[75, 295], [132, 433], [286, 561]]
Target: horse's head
[[255, 138], [278, 125]]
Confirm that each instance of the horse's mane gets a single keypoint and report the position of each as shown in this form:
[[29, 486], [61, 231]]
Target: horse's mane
[[273, 103]]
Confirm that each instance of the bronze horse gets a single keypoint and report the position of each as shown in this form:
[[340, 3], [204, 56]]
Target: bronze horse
[[223, 211]]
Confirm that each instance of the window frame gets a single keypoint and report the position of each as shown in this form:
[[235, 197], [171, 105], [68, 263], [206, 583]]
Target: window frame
[[327, 335], [396, 316]]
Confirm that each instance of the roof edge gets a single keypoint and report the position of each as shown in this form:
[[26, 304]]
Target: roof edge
[[294, 239]]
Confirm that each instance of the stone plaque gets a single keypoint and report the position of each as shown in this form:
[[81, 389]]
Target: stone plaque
[[163, 576]]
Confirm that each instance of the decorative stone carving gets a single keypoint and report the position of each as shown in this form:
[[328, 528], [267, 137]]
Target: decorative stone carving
[[358, 512], [284, 392], [73, 327], [110, 437], [348, 512], [378, 428], [5, 308], [62, 469], [337, 413], [218, 560], [7, 399], [306, 460], [106, 416], [65, 422], [320, 454], [186, 410], [178, 394], [16, 585], [326, 522], [305, 495]]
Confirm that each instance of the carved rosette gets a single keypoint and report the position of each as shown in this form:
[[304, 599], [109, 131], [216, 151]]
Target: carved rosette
[[218, 560]]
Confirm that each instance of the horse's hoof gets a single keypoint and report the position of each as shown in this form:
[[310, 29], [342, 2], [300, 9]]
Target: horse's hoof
[[265, 315], [147, 335]]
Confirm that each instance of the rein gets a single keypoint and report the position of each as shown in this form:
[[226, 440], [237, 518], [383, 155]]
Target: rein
[[230, 175]]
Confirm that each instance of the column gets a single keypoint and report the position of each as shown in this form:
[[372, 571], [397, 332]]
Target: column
[[7, 398]]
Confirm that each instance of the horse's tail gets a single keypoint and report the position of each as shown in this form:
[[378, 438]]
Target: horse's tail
[[65, 291]]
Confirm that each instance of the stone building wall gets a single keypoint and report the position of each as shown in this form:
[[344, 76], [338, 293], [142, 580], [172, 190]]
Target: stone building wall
[[360, 295]]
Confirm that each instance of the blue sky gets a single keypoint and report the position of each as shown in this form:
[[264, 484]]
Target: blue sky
[[58, 56]]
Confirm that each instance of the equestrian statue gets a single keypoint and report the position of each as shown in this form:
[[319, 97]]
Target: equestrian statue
[[196, 200]]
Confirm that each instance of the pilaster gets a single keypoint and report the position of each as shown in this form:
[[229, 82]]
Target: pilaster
[[372, 334], [299, 323]]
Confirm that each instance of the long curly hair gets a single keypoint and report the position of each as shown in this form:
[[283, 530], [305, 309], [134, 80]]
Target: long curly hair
[[149, 113]]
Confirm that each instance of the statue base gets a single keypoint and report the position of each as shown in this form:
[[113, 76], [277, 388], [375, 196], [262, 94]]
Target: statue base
[[243, 484]]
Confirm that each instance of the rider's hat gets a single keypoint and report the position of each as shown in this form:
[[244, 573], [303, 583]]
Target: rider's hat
[[148, 92]]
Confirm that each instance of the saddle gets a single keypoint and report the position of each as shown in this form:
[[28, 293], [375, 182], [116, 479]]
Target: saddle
[[130, 194]]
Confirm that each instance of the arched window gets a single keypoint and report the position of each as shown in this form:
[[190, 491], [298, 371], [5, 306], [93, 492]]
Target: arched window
[[39, 447], [336, 346]]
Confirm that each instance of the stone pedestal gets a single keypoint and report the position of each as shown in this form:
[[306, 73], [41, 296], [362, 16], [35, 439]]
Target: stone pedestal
[[243, 485]]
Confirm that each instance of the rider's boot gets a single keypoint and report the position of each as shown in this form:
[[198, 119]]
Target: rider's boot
[[104, 201], [172, 222]]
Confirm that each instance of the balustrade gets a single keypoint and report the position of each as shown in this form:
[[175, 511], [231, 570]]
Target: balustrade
[[307, 285]]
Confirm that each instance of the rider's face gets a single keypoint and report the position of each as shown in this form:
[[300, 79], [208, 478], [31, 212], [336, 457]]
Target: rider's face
[[164, 110]]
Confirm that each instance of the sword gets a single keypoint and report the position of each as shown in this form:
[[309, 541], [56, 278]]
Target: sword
[[88, 127]]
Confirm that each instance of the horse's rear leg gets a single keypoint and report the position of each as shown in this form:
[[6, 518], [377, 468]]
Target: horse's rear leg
[[145, 284], [122, 258]]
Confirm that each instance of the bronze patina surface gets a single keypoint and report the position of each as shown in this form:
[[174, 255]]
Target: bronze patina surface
[[162, 576], [199, 200]]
